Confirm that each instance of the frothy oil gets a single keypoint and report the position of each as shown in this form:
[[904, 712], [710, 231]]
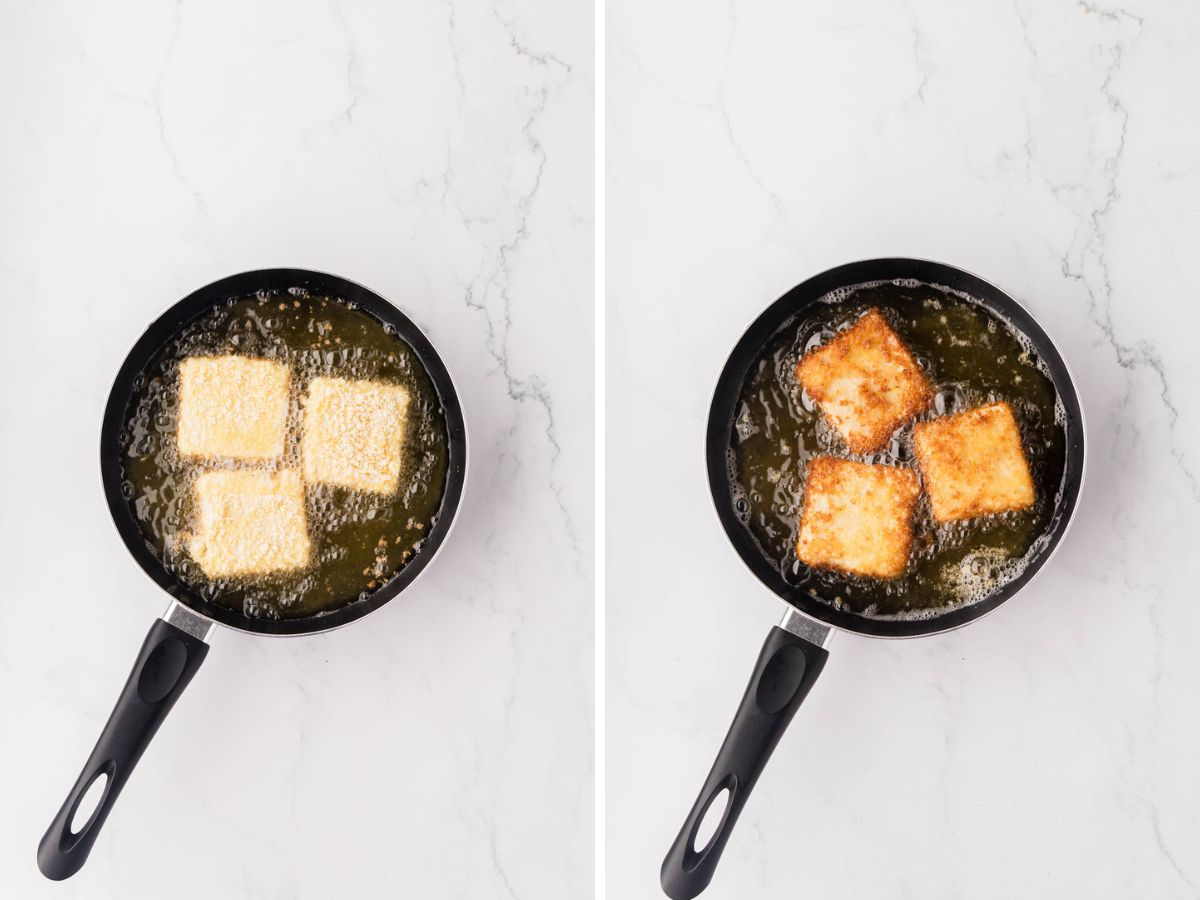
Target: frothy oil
[[973, 357], [360, 541]]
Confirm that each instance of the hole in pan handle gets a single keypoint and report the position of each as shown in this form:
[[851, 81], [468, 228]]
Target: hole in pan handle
[[166, 663], [786, 670]]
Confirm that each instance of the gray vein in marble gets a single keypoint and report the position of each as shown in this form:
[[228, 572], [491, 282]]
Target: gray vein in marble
[[1112, 14], [721, 105], [530, 389], [918, 44], [718, 105], [452, 26], [1142, 354], [357, 92], [1152, 811], [155, 102], [1130, 739], [486, 817], [1150, 806], [1034, 62], [497, 865], [544, 58], [447, 179]]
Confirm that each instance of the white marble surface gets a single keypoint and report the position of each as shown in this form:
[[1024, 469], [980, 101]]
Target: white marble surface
[[1049, 750], [441, 153]]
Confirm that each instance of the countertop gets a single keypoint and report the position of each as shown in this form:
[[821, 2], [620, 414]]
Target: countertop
[[441, 154], [1048, 750]]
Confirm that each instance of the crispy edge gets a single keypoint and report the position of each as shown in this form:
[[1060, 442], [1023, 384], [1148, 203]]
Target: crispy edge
[[933, 432], [822, 470], [915, 396]]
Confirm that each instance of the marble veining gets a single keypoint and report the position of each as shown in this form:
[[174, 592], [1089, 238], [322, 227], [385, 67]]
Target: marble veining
[[1047, 750], [439, 152]]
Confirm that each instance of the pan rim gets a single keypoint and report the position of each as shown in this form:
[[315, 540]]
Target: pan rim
[[241, 284], [718, 422]]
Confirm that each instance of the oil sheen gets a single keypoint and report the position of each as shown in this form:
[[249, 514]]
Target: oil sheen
[[972, 357], [360, 541]]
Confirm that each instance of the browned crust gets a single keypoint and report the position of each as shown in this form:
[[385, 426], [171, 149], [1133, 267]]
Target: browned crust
[[866, 382], [973, 463], [857, 517]]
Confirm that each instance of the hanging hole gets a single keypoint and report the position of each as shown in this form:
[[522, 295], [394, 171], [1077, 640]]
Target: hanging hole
[[711, 821], [89, 802]]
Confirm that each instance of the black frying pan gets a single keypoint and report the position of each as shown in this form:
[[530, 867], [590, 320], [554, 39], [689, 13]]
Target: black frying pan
[[794, 652], [176, 644]]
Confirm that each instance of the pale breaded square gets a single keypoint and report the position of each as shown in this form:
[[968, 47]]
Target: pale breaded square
[[353, 434], [857, 517], [866, 382], [973, 463], [249, 522], [232, 406]]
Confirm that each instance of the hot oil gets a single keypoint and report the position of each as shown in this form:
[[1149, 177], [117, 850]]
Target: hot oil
[[972, 357], [360, 541]]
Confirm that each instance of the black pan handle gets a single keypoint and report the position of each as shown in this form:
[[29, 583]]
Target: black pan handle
[[786, 670], [167, 661]]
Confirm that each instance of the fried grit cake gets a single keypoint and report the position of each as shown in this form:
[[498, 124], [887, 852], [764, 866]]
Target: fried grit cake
[[973, 463], [353, 434], [866, 382], [249, 522], [232, 406], [857, 517]]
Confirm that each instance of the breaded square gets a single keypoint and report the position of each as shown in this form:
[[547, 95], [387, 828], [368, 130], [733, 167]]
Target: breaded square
[[249, 523], [857, 517], [973, 463], [866, 382], [232, 406], [353, 434]]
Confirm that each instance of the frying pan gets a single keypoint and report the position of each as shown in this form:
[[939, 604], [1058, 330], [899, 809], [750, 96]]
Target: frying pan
[[795, 651], [177, 642]]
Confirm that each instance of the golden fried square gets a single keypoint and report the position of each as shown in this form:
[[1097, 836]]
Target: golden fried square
[[249, 522], [857, 517], [232, 406], [973, 463], [353, 434], [866, 382]]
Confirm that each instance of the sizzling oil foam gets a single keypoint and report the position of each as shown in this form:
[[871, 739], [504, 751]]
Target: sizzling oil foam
[[973, 357], [360, 540]]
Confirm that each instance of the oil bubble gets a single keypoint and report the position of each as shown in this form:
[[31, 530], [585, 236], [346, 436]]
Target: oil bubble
[[344, 526], [970, 354]]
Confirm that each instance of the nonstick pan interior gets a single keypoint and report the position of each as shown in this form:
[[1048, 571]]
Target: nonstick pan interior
[[720, 435], [170, 324]]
